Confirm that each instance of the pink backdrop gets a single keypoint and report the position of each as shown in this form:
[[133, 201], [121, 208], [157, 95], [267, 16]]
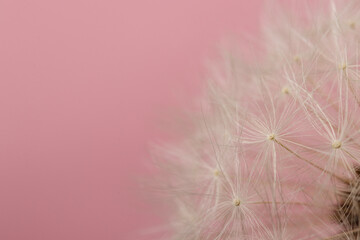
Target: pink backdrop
[[82, 85]]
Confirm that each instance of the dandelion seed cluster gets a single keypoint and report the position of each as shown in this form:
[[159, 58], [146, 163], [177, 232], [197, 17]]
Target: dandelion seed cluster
[[275, 152]]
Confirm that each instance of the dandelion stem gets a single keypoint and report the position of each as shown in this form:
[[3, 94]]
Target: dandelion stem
[[311, 163]]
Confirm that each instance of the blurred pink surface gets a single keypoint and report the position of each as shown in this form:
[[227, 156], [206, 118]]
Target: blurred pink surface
[[82, 84]]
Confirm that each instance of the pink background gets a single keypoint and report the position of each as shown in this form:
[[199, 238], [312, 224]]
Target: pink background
[[83, 84]]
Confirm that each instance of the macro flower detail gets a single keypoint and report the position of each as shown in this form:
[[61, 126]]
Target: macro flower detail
[[275, 152]]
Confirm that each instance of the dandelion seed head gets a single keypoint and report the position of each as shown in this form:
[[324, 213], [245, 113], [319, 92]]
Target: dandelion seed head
[[285, 90], [342, 66], [297, 59], [352, 24], [336, 144], [236, 202], [217, 173], [271, 136]]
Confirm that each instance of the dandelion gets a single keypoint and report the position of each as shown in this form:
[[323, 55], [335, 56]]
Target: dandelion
[[275, 149]]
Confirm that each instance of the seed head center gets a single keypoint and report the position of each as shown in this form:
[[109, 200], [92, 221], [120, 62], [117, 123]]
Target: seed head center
[[236, 202], [216, 173], [296, 58], [336, 144], [285, 90], [352, 24], [271, 136], [343, 66]]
